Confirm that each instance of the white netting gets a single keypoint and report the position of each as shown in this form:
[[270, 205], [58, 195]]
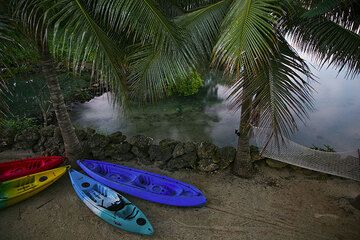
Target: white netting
[[343, 164]]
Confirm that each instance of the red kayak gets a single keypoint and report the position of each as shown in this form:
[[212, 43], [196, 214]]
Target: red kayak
[[19, 168]]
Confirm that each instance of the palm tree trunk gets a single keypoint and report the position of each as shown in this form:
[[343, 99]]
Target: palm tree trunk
[[242, 166], [71, 142]]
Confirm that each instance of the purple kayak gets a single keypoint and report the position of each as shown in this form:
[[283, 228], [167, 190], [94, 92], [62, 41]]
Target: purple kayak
[[149, 186]]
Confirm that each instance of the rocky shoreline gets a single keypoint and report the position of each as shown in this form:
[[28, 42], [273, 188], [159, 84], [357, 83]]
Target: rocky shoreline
[[169, 154]]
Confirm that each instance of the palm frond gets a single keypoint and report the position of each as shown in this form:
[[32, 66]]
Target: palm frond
[[141, 19], [203, 27], [72, 23], [328, 42], [248, 35], [281, 93], [152, 71], [321, 8], [346, 13]]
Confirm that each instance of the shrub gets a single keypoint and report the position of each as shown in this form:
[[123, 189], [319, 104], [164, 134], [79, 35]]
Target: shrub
[[187, 86], [18, 124]]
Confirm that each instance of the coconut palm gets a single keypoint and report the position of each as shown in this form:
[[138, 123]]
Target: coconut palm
[[139, 47], [132, 45], [248, 39]]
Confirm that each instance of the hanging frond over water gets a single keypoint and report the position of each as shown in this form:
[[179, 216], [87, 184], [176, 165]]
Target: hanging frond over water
[[281, 94], [75, 26], [332, 38]]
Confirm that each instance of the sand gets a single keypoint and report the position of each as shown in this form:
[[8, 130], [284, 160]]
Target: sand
[[275, 204]]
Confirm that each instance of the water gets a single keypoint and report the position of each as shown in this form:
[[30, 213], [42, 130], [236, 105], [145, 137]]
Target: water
[[336, 120], [204, 117]]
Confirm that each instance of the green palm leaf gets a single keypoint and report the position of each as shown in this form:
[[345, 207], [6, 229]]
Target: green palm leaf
[[248, 36], [281, 93], [328, 42], [203, 27]]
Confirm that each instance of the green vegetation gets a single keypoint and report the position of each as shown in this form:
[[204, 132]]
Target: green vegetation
[[187, 86], [17, 125], [139, 48]]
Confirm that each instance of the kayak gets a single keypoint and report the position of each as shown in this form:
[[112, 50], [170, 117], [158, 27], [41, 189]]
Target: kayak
[[19, 168], [19, 189], [110, 205], [145, 185]]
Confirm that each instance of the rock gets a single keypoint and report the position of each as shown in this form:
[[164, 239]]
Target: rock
[[98, 144], [209, 157], [47, 131], [52, 146], [6, 138], [167, 147], [275, 164], [27, 139], [140, 148], [99, 141], [142, 142], [117, 151], [86, 150], [183, 148], [117, 137], [167, 142], [155, 153], [227, 156], [208, 150], [207, 165], [188, 160]]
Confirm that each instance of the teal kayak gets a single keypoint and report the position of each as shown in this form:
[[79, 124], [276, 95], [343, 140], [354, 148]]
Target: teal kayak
[[110, 205]]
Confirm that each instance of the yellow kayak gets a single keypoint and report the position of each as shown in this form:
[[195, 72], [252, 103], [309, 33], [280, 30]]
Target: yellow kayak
[[19, 189]]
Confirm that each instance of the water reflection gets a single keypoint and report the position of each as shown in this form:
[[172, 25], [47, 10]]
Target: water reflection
[[336, 120], [197, 118]]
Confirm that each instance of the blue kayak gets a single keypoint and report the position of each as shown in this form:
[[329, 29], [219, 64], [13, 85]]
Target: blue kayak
[[145, 185], [110, 205]]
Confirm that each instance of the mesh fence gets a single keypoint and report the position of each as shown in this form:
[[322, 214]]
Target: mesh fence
[[343, 164]]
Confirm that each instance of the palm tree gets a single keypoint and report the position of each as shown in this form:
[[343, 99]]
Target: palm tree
[[132, 45], [139, 47], [248, 39]]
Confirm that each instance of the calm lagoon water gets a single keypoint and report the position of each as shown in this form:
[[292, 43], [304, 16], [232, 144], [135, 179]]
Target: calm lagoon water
[[206, 116]]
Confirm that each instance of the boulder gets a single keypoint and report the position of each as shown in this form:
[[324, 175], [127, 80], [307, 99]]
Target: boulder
[[117, 137], [98, 144], [227, 156], [119, 151], [207, 165], [47, 131], [99, 141], [142, 142], [140, 148], [183, 148], [209, 157], [167, 147], [187, 160], [27, 139], [155, 153], [53, 146], [208, 150], [6, 138]]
